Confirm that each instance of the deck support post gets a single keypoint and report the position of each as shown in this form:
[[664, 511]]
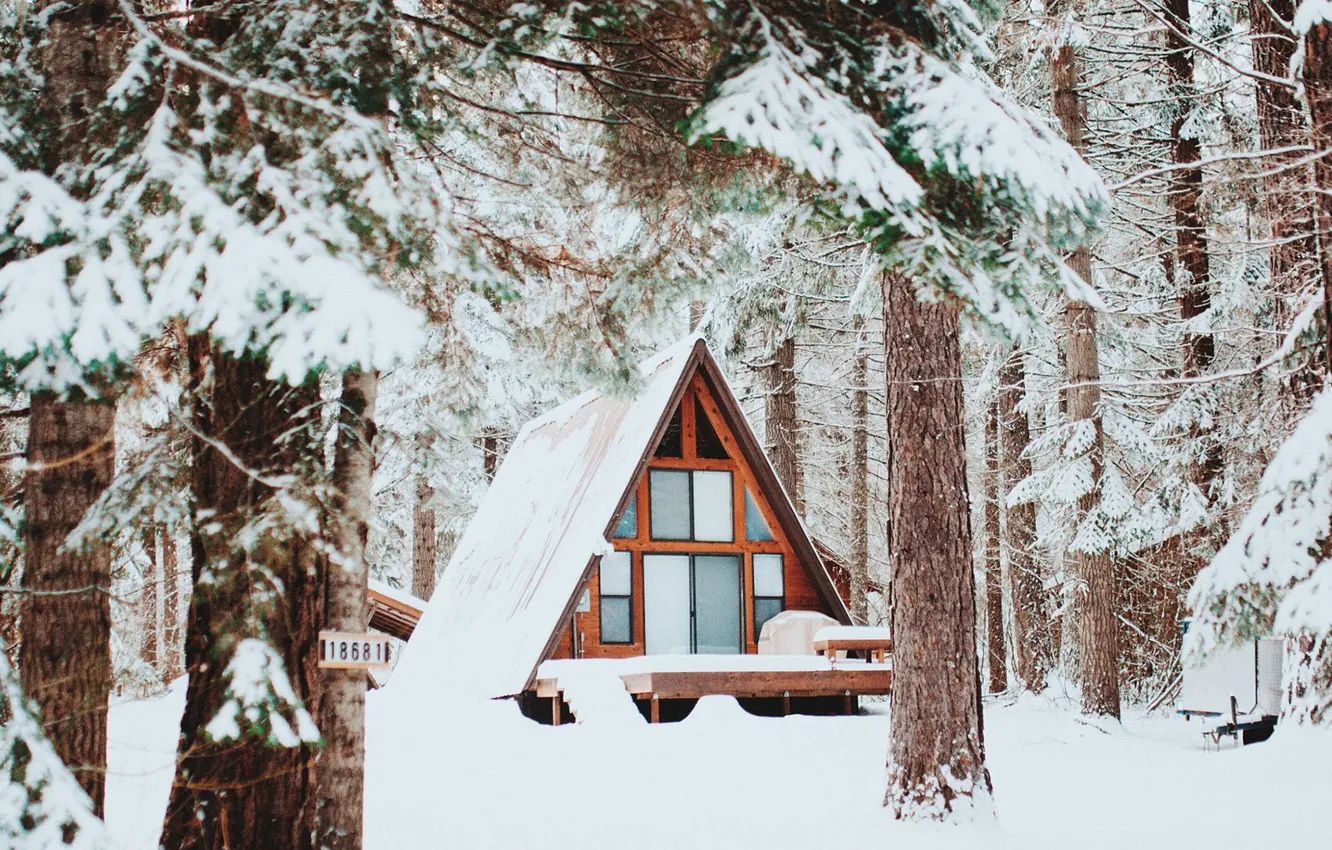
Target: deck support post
[[786, 703], [556, 710], [849, 702], [654, 713]]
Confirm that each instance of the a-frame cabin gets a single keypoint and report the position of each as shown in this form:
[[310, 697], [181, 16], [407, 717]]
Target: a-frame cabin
[[649, 526]]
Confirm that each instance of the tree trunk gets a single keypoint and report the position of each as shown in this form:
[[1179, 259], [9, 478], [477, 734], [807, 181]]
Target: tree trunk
[[1033, 647], [1191, 254], [490, 457], [859, 475], [936, 762], [424, 538], [994, 587], [65, 662], [1099, 632], [1283, 123], [171, 648], [1318, 92], [246, 792], [152, 585], [781, 428], [340, 808]]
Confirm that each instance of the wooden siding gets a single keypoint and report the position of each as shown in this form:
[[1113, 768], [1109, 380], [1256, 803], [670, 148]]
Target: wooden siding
[[801, 592]]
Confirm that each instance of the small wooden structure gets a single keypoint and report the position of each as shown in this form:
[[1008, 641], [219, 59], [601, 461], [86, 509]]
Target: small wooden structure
[[618, 528], [392, 611]]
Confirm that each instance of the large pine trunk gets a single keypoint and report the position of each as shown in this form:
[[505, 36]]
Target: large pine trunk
[[936, 763], [781, 428], [65, 662], [1287, 208], [859, 475], [1099, 630], [1318, 92], [254, 577], [340, 806], [994, 585], [1191, 254], [1033, 647]]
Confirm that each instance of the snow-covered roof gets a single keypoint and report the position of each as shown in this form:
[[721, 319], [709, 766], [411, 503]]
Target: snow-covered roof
[[516, 574]]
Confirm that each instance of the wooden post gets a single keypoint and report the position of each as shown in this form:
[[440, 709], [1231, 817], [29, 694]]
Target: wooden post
[[655, 712], [847, 707], [786, 703], [556, 710]]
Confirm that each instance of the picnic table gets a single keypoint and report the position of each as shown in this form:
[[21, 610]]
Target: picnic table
[[875, 642]]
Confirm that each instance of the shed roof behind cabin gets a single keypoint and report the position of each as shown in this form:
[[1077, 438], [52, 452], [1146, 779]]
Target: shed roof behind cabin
[[517, 572]]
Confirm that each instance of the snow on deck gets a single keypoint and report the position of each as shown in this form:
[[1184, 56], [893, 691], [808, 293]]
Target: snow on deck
[[854, 633], [563, 667]]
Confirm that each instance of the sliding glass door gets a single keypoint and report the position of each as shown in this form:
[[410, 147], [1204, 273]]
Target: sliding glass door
[[692, 604]]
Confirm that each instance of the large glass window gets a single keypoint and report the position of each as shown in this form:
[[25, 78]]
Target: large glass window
[[693, 505], [668, 490], [692, 604], [756, 527], [628, 525], [717, 610], [714, 518], [617, 583], [769, 590]]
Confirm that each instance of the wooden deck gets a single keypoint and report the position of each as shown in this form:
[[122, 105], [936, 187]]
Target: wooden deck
[[841, 684]]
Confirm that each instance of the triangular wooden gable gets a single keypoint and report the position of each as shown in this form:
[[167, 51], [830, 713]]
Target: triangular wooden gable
[[717, 402]]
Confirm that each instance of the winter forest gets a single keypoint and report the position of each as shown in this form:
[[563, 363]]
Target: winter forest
[[1027, 305]]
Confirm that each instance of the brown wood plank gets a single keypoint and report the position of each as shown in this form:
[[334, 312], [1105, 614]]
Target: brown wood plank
[[761, 683]]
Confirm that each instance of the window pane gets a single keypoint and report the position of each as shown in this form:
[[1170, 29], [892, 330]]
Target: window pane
[[669, 496], [756, 528], [714, 519], [666, 604], [616, 574], [628, 526], [672, 442], [706, 442], [765, 610], [717, 608], [768, 575], [615, 625]]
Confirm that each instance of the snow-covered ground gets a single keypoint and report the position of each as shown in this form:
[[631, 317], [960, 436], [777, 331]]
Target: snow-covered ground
[[484, 777]]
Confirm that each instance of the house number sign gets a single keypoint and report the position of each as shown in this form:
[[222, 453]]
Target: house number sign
[[348, 651]]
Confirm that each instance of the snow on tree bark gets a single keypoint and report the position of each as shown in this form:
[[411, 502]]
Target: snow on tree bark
[[859, 474], [1317, 78], [1091, 561], [258, 580], [339, 811], [1287, 208], [1033, 648], [1194, 279], [781, 426], [936, 761], [994, 584], [424, 548]]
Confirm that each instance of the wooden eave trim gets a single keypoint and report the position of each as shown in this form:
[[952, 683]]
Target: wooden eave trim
[[691, 366]]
